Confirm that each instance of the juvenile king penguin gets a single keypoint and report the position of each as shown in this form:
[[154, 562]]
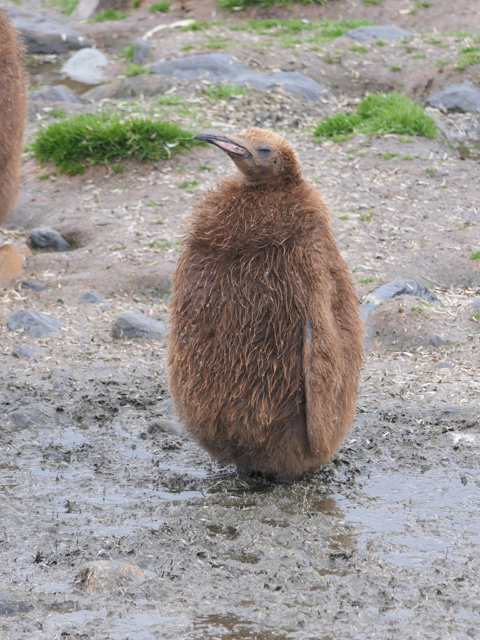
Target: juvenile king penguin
[[265, 342], [13, 103]]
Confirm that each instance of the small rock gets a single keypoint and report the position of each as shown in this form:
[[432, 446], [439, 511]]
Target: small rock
[[92, 296], [378, 32], [442, 365], [86, 66], [140, 50], [46, 238], [13, 607], [44, 32], [105, 576], [463, 98], [133, 325], [165, 425], [59, 93], [12, 261], [35, 323], [33, 285], [24, 351], [476, 303]]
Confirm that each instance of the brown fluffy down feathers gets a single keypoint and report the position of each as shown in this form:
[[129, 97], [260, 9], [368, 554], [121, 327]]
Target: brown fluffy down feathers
[[12, 113], [265, 342]]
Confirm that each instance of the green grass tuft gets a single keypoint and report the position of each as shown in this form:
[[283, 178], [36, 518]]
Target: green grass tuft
[[378, 114], [128, 52], [73, 143], [66, 6], [475, 255], [135, 69], [241, 4], [224, 91], [162, 6], [324, 30], [109, 14]]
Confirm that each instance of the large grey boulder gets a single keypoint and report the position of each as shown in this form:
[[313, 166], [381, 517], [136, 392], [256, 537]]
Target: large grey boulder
[[45, 32], [218, 67], [86, 66], [463, 98], [378, 32]]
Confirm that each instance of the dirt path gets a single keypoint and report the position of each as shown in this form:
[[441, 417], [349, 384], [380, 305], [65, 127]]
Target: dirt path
[[114, 526]]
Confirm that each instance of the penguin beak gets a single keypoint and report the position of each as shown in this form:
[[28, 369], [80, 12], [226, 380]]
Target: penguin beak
[[229, 146]]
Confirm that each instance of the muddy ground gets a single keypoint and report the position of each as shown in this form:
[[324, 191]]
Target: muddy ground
[[113, 524]]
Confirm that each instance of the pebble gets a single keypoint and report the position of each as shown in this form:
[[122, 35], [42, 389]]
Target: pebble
[[105, 576], [35, 323], [134, 325], [46, 238], [33, 285], [12, 261], [24, 351], [92, 296]]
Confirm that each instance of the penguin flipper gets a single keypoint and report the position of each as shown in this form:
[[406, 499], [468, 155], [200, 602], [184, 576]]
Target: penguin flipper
[[321, 438]]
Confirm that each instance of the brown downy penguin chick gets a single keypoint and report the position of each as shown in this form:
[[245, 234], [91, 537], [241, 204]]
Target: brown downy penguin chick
[[265, 342], [13, 103]]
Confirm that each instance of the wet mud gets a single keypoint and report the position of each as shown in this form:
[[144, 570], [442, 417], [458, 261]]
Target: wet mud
[[380, 543]]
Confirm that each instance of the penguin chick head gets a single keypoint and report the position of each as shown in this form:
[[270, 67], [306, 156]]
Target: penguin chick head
[[263, 157]]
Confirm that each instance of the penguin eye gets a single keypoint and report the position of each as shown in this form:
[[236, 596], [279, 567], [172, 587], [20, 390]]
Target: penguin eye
[[264, 150]]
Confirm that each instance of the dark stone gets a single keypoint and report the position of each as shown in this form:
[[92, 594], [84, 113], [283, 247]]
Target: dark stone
[[29, 417], [218, 67], [378, 32], [392, 289], [46, 238], [24, 351], [442, 365], [92, 296], [140, 50], [134, 325], [10, 607], [463, 98], [44, 32], [32, 285], [35, 323], [58, 93]]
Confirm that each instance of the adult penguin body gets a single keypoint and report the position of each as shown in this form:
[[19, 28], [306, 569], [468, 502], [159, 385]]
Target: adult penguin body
[[265, 342]]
